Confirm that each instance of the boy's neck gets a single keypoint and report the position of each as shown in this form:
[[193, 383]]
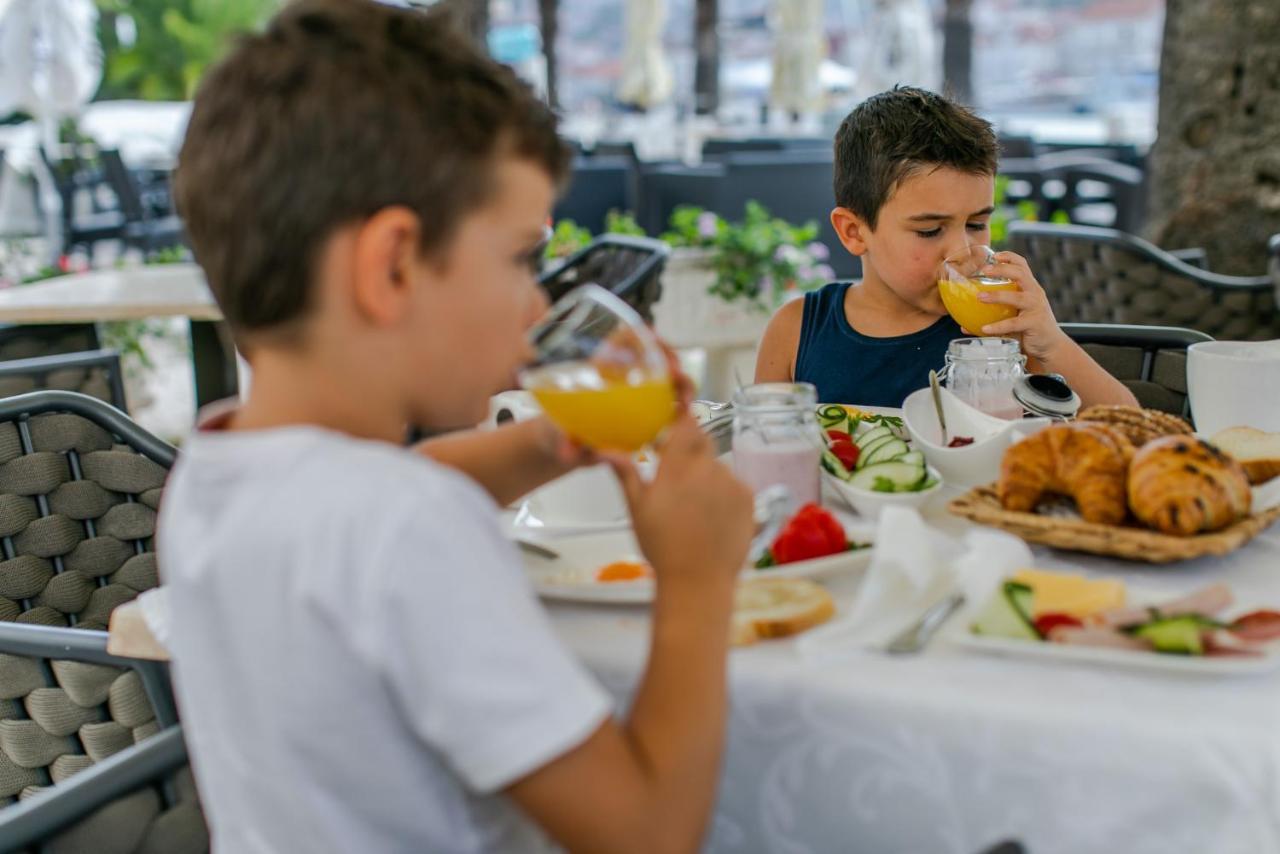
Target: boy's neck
[[873, 308], [290, 390]]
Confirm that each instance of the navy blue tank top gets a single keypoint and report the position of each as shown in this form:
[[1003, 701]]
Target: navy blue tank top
[[849, 367]]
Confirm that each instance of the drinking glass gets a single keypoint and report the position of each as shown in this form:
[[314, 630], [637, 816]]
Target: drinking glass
[[965, 275], [599, 372]]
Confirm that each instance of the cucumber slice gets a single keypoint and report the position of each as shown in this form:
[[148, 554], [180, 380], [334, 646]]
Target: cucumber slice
[[1022, 597], [886, 451], [1001, 618], [866, 450], [913, 457], [1178, 635], [832, 417], [872, 435], [832, 463], [893, 476]]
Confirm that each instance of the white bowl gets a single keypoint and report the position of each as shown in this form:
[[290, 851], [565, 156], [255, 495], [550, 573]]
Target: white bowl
[[868, 503], [968, 465]]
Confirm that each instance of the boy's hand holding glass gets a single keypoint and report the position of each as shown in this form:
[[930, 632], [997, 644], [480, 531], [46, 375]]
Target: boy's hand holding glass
[[600, 374], [1034, 325], [995, 294]]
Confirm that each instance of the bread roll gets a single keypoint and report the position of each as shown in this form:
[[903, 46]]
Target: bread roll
[[1183, 485], [777, 607], [1088, 462], [1256, 450]]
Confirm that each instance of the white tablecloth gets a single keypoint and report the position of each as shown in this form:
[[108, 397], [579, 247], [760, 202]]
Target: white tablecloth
[[951, 751]]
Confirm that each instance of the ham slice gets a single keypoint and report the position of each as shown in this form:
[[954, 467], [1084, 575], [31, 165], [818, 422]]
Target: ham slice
[[1257, 626], [1205, 602], [1098, 636]]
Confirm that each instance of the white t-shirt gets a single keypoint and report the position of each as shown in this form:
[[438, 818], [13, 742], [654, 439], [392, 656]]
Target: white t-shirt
[[360, 663]]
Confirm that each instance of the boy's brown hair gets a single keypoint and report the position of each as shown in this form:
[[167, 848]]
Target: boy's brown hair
[[342, 108], [895, 134]]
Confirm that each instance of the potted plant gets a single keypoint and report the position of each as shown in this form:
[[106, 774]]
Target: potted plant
[[724, 280]]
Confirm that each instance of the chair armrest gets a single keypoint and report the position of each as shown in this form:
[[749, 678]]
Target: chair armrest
[[1196, 257], [45, 815]]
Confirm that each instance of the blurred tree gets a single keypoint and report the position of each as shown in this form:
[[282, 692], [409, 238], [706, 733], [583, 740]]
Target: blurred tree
[[1214, 171], [957, 50], [158, 50], [706, 45]]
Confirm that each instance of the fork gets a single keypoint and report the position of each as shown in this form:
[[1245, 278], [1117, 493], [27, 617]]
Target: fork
[[917, 635]]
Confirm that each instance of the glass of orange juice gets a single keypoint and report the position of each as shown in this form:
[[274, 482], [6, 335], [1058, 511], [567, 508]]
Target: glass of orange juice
[[599, 372], [961, 278]]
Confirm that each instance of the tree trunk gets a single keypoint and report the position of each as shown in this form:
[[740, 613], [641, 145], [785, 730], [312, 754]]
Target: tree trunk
[[548, 10], [706, 71], [1214, 172], [957, 51]]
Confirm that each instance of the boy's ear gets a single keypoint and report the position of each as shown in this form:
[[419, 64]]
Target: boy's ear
[[385, 255], [851, 229]]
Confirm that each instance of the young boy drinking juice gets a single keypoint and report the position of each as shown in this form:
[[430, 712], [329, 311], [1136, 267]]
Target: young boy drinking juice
[[914, 186], [360, 662]]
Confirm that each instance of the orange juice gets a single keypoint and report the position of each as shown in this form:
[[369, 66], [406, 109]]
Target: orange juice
[[610, 414], [961, 299]]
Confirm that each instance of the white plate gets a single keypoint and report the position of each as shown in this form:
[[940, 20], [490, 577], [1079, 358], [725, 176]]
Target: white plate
[[526, 522], [572, 577], [961, 636]]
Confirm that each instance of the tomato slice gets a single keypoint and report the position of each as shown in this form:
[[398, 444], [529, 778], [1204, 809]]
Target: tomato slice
[[846, 452], [1262, 625], [1046, 623]]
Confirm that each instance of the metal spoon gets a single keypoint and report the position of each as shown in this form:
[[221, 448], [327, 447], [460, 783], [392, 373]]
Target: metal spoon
[[937, 402], [914, 638], [773, 507]]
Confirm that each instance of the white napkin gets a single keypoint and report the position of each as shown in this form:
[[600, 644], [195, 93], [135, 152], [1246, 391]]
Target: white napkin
[[914, 567], [154, 605]]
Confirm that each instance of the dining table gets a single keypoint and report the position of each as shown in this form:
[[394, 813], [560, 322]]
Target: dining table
[[953, 750], [162, 290]]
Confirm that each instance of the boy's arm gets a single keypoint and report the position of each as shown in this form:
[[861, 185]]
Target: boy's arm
[[776, 361], [1089, 379], [508, 462], [648, 784], [1047, 347]]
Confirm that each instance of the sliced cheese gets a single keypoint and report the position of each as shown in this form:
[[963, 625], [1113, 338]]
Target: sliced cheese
[[1075, 595]]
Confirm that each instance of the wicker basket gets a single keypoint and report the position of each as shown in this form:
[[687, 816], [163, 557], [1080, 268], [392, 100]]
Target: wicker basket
[[981, 505]]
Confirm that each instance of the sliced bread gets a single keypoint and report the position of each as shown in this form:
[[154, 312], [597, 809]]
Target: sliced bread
[[1257, 450], [778, 607]]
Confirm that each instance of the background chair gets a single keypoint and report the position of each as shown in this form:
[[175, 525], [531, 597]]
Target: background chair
[[96, 373], [1150, 360], [1100, 275], [92, 756], [598, 185], [143, 230], [27, 342], [1274, 246], [630, 267], [79, 488]]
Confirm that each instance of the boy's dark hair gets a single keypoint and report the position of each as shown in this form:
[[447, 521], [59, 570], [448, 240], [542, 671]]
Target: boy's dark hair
[[342, 108], [895, 134]]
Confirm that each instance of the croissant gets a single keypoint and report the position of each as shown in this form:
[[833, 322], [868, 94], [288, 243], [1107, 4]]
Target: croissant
[[1183, 485], [1089, 462]]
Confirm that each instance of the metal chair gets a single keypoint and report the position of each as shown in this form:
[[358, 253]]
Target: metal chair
[[1150, 360], [74, 178], [28, 342], [89, 746], [630, 267], [1100, 275], [1273, 246], [96, 373], [142, 230]]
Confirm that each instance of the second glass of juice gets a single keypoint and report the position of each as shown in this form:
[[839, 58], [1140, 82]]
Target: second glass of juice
[[776, 438], [965, 275], [599, 372]]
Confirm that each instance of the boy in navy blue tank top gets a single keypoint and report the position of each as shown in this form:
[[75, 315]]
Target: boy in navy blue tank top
[[914, 185]]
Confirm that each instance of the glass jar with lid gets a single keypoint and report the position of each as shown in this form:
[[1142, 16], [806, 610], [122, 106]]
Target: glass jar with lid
[[776, 438], [983, 372]]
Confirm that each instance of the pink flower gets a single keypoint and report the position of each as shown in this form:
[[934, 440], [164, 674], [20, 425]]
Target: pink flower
[[819, 251], [707, 222]]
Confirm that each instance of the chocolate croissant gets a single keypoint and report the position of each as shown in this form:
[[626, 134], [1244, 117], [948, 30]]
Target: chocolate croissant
[[1088, 462], [1183, 485]]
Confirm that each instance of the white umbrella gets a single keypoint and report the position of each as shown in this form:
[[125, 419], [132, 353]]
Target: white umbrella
[[898, 44], [646, 73], [50, 66], [800, 45]]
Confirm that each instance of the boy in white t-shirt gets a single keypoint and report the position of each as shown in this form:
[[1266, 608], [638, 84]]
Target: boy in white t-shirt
[[360, 663]]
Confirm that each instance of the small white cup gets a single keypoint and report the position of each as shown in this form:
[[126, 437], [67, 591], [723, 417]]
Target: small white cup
[[1233, 384]]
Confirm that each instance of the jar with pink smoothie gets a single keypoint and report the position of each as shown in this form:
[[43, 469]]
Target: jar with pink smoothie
[[776, 438]]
